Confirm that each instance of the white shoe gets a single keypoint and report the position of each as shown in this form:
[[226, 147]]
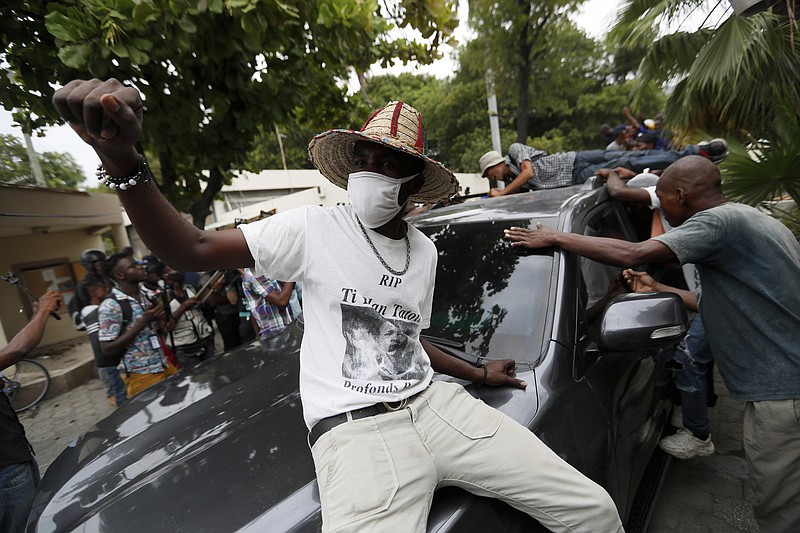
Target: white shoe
[[684, 445], [676, 419]]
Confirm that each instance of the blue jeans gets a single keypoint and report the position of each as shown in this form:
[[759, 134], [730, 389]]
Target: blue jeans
[[694, 355], [18, 483], [587, 162], [115, 387]]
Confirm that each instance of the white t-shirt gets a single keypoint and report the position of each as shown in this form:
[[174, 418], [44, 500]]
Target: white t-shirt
[[362, 323]]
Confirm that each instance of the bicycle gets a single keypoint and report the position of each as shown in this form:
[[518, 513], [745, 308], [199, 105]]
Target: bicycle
[[25, 384]]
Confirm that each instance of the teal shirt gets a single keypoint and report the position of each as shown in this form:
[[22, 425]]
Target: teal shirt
[[749, 265]]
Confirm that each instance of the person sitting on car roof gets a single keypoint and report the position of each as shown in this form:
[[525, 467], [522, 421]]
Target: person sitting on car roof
[[362, 264], [525, 168]]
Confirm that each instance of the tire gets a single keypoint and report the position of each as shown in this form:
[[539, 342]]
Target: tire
[[28, 383]]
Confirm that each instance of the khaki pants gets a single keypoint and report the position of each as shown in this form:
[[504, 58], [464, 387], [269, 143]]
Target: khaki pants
[[136, 383], [380, 473], [772, 445]]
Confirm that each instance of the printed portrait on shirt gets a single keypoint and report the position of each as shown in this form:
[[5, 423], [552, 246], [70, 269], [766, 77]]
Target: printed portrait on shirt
[[380, 349]]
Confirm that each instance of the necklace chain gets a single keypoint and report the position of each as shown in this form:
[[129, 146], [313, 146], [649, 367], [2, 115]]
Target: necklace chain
[[378, 255]]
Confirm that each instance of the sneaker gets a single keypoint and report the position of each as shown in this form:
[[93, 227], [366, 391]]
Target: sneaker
[[684, 445], [676, 419], [716, 149]]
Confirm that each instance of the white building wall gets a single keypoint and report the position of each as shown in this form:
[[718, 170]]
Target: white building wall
[[287, 189]]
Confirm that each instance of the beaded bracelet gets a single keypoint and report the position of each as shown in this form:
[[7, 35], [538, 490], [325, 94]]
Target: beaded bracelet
[[142, 174]]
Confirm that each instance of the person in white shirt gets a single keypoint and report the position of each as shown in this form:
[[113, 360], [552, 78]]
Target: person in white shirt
[[383, 437]]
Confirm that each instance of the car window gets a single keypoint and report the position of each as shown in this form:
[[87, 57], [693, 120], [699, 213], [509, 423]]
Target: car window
[[600, 282], [489, 297]]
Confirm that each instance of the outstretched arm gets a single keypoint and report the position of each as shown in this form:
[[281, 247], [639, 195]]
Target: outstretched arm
[[526, 173], [31, 335], [108, 117], [631, 119], [497, 372], [618, 188], [603, 249], [643, 282]]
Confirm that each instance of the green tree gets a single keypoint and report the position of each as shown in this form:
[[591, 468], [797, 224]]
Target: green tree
[[14, 164], [764, 171], [30, 64], [575, 85], [61, 171], [516, 37], [732, 77], [217, 75], [738, 78]]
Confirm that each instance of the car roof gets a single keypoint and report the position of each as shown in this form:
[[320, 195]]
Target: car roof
[[540, 204]]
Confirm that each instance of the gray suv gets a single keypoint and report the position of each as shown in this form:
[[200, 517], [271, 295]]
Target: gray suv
[[222, 446]]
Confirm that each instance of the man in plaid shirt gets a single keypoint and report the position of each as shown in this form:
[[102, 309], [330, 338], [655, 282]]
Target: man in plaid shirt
[[272, 304], [526, 169]]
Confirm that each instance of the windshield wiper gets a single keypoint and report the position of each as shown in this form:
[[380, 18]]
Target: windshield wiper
[[454, 348]]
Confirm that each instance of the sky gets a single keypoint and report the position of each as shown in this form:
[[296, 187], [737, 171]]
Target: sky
[[595, 17]]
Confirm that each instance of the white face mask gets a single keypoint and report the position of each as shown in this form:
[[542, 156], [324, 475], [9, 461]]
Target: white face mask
[[375, 197]]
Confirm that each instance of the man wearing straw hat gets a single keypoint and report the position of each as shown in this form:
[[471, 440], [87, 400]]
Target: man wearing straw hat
[[382, 435]]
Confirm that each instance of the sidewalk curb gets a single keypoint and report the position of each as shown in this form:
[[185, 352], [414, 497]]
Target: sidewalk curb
[[66, 379]]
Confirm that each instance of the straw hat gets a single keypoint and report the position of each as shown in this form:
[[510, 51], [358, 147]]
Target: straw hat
[[398, 126]]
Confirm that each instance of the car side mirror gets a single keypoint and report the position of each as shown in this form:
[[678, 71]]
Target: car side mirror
[[642, 320]]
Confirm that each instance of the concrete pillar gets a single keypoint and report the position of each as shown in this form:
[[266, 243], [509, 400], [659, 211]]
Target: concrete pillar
[[120, 236]]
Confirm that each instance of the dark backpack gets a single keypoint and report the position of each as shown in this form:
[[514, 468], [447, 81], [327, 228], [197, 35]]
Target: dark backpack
[[74, 308]]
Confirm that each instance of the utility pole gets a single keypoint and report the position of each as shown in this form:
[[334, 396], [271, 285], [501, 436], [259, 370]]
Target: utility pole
[[283, 157], [36, 169], [494, 124]]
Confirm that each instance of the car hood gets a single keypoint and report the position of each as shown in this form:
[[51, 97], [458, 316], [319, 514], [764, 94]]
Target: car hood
[[201, 452], [207, 438]]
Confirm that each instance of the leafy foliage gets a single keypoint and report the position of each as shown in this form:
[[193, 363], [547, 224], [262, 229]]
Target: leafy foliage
[[61, 171], [729, 79], [216, 75], [763, 171], [739, 79]]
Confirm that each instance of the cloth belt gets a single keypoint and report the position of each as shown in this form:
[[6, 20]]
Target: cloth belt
[[327, 424]]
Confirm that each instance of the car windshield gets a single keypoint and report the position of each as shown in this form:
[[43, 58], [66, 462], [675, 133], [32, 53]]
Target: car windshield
[[490, 299]]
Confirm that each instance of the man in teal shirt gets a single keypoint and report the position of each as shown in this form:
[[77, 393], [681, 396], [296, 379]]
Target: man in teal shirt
[[749, 264]]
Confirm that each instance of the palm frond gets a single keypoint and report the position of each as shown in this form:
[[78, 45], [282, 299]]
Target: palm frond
[[740, 53], [638, 22], [672, 55], [765, 170]]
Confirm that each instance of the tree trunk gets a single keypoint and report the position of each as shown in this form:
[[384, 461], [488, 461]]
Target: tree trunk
[[201, 207], [523, 95], [529, 38], [523, 81]]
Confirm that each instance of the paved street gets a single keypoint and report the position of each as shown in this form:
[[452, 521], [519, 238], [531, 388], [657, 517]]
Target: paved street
[[710, 494], [700, 495], [54, 423]]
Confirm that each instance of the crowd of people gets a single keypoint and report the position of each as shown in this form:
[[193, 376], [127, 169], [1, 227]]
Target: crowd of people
[[146, 321], [636, 132], [368, 278]]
